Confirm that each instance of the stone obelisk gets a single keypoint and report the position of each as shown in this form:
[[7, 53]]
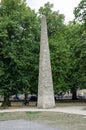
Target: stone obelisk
[[45, 83]]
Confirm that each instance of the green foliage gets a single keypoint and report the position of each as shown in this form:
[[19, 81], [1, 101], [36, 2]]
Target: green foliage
[[58, 46], [19, 47], [54, 19], [80, 15], [77, 71], [80, 12], [60, 63]]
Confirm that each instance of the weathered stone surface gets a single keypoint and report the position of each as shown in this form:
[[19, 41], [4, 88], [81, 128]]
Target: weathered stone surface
[[45, 84]]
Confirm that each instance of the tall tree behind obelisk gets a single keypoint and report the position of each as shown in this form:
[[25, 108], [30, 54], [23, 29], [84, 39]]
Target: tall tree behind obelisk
[[45, 84]]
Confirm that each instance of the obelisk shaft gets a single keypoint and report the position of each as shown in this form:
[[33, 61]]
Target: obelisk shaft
[[45, 83]]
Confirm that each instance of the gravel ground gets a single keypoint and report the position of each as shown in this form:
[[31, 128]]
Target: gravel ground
[[69, 109], [24, 125]]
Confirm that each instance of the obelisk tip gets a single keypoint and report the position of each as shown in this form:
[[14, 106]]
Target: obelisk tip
[[43, 17]]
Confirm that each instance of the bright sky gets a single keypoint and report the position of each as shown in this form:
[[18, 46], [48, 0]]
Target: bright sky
[[65, 7]]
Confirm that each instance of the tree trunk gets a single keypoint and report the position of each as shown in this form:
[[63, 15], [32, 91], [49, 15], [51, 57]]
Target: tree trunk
[[74, 94], [6, 102], [25, 99]]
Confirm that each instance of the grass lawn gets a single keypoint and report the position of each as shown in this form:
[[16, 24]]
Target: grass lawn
[[62, 120]]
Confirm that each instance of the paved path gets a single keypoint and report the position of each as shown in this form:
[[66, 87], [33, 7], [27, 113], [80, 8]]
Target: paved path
[[24, 125], [30, 125], [71, 109]]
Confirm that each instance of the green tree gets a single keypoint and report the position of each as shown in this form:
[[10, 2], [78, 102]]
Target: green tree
[[19, 48], [76, 38], [80, 12], [77, 71], [59, 48], [54, 19]]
